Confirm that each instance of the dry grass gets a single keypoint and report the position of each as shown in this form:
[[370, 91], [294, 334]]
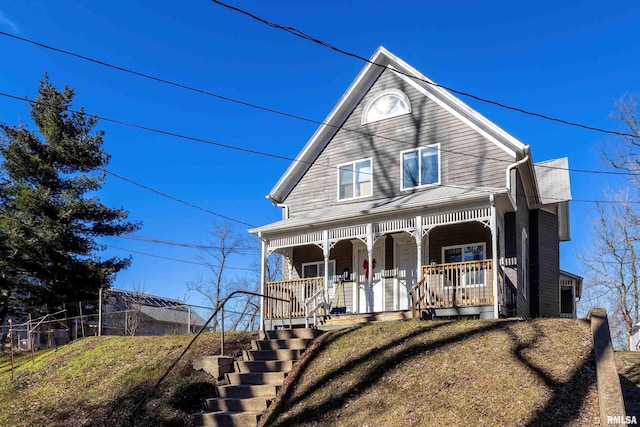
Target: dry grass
[[468, 373], [98, 382], [628, 363]]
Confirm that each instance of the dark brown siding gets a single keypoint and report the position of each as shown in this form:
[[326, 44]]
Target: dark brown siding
[[545, 260], [458, 234], [522, 222], [341, 253], [383, 141]]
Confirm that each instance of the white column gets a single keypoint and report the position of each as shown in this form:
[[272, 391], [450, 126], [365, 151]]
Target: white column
[[494, 257], [369, 291], [263, 259], [418, 236], [325, 252]]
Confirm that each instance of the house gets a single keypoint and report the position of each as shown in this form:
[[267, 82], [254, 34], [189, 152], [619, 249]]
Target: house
[[408, 199], [136, 313]]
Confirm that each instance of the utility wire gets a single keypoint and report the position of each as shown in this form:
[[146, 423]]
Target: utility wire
[[168, 196], [271, 110], [295, 32], [172, 243], [175, 259], [232, 147]]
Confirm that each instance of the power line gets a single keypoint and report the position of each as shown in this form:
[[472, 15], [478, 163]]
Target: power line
[[172, 243], [268, 109], [168, 196], [488, 191], [176, 259], [295, 32], [232, 147]]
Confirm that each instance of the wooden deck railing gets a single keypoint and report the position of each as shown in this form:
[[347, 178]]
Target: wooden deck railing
[[297, 291], [455, 284]]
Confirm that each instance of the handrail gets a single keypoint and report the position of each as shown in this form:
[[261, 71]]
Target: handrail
[[151, 392], [415, 299], [247, 293], [313, 297]]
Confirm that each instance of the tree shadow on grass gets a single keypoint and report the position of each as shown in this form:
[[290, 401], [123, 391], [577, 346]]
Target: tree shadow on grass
[[400, 354], [567, 397], [565, 403]]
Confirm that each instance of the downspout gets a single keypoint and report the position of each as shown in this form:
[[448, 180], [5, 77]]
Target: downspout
[[263, 253], [494, 255], [515, 165]]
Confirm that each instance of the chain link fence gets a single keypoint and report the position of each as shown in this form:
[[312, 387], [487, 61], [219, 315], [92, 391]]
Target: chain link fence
[[122, 312]]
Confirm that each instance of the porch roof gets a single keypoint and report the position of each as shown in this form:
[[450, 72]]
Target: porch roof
[[437, 197]]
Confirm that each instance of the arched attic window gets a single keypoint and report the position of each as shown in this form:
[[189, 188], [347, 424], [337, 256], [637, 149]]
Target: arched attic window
[[387, 104]]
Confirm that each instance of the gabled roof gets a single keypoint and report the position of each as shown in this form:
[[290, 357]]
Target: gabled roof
[[379, 61]]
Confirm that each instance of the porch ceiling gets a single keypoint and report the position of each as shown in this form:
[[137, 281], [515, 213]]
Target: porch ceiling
[[409, 204]]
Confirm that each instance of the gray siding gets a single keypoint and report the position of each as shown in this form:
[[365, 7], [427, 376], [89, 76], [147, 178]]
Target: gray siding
[[548, 263], [467, 158]]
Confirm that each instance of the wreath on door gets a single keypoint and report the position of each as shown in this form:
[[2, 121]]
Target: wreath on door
[[365, 265]]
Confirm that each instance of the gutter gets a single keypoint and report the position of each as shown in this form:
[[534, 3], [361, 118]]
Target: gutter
[[279, 205]]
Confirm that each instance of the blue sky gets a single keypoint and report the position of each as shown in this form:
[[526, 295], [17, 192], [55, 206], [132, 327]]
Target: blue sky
[[568, 61]]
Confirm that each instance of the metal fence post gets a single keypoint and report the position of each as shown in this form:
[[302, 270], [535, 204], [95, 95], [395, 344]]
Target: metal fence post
[[222, 335]]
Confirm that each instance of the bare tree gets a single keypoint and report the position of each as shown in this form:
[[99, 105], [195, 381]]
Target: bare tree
[[611, 260], [612, 266], [224, 244]]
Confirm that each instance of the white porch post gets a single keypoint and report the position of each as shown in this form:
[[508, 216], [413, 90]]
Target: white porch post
[[494, 256], [369, 291], [325, 252], [263, 260], [418, 236]]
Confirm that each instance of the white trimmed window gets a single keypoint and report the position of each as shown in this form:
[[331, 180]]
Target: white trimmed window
[[525, 262], [355, 179], [387, 104], [316, 269], [467, 274], [420, 167]]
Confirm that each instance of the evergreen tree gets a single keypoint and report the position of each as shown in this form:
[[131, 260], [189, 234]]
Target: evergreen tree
[[49, 212]]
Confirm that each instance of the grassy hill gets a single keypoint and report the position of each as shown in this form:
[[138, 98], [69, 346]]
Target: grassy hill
[[98, 381], [398, 373], [471, 373]]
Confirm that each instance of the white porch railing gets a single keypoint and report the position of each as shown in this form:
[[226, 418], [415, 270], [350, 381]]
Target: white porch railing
[[455, 284], [297, 291]]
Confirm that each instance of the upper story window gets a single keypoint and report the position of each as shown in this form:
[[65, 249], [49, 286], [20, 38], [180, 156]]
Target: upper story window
[[390, 103], [354, 179], [420, 166]]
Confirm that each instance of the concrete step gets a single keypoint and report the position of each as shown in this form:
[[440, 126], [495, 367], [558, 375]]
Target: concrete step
[[244, 390], [344, 320], [283, 334], [271, 354], [250, 404], [278, 344], [218, 419], [256, 378], [264, 366]]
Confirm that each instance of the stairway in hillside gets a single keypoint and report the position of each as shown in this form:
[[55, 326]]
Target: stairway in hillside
[[256, 380]]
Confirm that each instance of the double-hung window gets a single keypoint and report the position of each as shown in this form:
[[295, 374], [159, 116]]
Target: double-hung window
[[354, 179], [420, 166]]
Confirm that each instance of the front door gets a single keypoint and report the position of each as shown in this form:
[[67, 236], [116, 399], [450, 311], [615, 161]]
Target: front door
[[406, 255], [371, 299]]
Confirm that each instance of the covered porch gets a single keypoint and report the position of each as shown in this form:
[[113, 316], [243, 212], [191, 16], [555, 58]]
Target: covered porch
[[446, 263]]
